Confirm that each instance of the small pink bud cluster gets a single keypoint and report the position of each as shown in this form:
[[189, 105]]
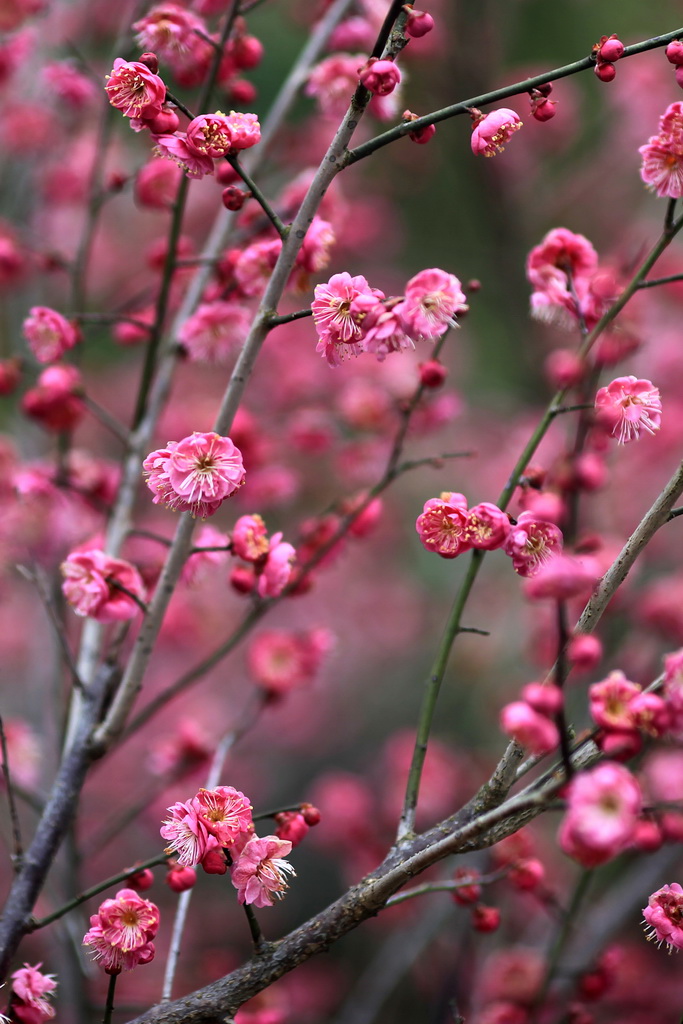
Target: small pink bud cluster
[[351, 317], [568, 283], [215, 829], [121, 932], [542, 109], [29, 1003], [293, 826], [530, 721], [468, 894], [674, 54], [419, 23], [662, 168], [195, 474], [491, 131], [101, 587], [664, 916], [606, 52], [623, 712], [629, 405], [603, 808], [270, 561], [56, 401], [420, 135]]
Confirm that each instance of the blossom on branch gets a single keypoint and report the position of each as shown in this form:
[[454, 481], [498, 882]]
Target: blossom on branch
[[134, 90], [29, 990], [260, 872], [101, 587], [196, 474], [664, 916], [629, 405], [491, 131], [121, 932]]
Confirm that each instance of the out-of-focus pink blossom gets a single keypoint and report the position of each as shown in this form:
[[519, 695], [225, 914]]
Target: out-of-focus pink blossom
[[169, 29], [55, 402], [48, 333], [214, 331], [276, 571], [561, 577], [196, 474], [102, 587], [333, 81], [314, 254], [281, 661], [260, 872], [603, 806], [610, 702], [584, 651], [561, 269], [432, 300], [134, 90], [250, 538], [492, 131], [662, 168], [255, 264], [531, 543], [156, 183], [629, 405], [664, 916], [529, 728], [66, 82], [30, 987], [175, 147], [673, 689], [442, 525]]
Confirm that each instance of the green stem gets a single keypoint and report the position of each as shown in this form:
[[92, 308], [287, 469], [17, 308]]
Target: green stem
[[258, 196], [109, 1008], [255, 929], [372, 145], [432, 688], [37, 923], [561, 938]]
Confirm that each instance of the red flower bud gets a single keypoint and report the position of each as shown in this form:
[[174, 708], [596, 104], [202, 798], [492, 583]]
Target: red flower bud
[[234, 198], [432, 373], [419, 23], [605, 72], [485, 919], [674, 52]]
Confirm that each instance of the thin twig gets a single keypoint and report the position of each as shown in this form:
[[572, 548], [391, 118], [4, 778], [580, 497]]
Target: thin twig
[[35, 576], [18, 854]]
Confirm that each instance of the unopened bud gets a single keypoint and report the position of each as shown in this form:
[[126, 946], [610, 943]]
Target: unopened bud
[[674, 52], [310, 814], [181, 878], [151, 61], [485, 919], [141, 880], [605, 71], [611, 49], [234, 198], [419, 23], [543, 110], [432, 373]]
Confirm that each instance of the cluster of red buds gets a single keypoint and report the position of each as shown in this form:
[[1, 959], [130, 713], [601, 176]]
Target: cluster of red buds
[[674, 54], [606, 52]]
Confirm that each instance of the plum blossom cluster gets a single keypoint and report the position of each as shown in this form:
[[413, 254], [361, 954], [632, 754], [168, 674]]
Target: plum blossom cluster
[[628, 406], [603, 809], [351, 317], [625, 712], [530, 721], [448, 527], [662, 167], [608, 50], [121, 932], [101, 587], [29, 1000], [195, 474], [270, 561], [139, 93], [215, 829]]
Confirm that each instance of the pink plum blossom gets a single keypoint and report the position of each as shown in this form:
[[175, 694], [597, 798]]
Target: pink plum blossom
[[209, 134], [245, 130], [603, 805], [90, 586], [561, 268], [442, 525], [280, 660], [214, 331], [121, 933], [338, 315], [260, 872], [380, 76], [225, 812], [176, 148], [491, 131], [196, 474], [561, 577], [249, 538], [188, 837], [487, 526], [432, 300], [134, 90], [156, 184], [531, 543], [610, 702], [333, 81], [30, 987], [630, 405], [56, 402], [662, 168], [664, 916], [255, 264], [48, 333]]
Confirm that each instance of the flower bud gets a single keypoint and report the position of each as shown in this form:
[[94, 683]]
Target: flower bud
[[605, 71], [166, 122], [610, 50], [291, 826], [527, 874], [543, 110], [214, 862], [485, 919], [674, 52], [234, 198], [242, 93], [584, 652], [246, 52], [380, 77], [547, 700], [432, 373], [310, 814], [151, 61], [141, 880], [180, 878], [468, 891], [242, 579], [419, 23]]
